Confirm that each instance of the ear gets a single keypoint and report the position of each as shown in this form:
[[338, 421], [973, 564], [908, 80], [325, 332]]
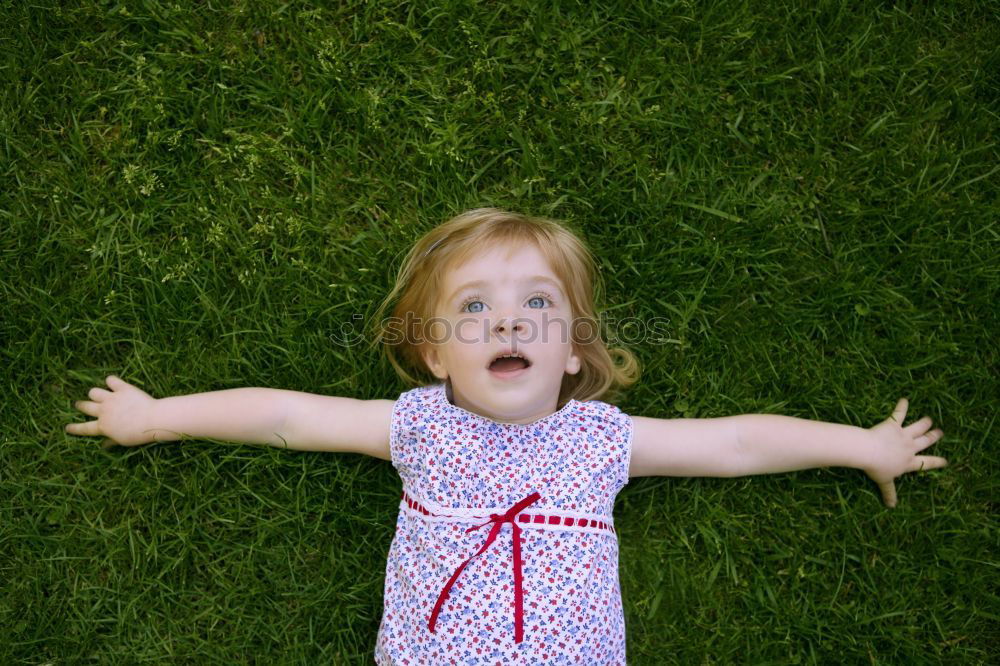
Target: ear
[[433, 361], [573, 363]]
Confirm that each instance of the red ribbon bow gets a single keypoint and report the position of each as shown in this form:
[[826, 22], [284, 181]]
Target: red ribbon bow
[[498, 522]]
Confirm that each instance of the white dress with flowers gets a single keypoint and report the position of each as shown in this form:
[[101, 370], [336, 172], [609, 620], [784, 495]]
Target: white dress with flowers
[[464, 475]]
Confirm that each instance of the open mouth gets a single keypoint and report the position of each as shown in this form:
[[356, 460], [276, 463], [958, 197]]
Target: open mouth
[[508, 363]]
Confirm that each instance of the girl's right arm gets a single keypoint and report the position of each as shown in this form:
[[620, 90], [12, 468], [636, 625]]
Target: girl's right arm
[[129, 416]]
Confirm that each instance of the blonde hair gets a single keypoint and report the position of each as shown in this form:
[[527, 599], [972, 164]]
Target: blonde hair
[[603, 371]]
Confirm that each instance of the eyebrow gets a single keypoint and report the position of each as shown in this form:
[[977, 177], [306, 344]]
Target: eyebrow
[[531, 279]]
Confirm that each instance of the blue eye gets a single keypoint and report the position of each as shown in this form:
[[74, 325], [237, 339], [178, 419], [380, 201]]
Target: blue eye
[[474, 298], [542, 296]]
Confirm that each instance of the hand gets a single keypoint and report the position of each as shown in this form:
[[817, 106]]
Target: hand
[[122, 414], [896, 447]]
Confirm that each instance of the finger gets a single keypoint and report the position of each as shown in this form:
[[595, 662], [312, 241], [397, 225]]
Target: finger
[[924, 463], [98, 394], [924, 441], [899, 413], [888, 493], [88, 429], [108, 444], [87, 407], [918, 428], [114, 382]]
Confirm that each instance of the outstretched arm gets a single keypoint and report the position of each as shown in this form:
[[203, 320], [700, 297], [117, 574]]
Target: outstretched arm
[[127, 415], [769, 443]]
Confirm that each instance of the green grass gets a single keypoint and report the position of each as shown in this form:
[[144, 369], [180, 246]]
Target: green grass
[[194, 199]]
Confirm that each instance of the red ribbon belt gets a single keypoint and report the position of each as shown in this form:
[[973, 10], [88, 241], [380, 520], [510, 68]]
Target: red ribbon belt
[[497, 520]]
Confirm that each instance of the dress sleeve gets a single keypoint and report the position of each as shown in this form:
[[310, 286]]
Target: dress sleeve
[[619, 427], [612, 430], [405, 434]]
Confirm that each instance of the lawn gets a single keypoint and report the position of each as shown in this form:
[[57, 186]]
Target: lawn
[[201, 197]]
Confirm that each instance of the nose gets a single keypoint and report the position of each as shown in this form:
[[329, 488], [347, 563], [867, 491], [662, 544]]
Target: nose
[[504, 324]]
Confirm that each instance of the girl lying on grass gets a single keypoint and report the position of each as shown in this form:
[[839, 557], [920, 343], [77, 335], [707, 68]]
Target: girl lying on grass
[[499, 308]]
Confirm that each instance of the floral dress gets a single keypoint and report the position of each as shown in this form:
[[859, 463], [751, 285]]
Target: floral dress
[[505, 550]]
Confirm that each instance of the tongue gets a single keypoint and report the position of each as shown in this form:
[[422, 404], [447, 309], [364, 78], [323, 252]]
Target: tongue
[[508, 364]]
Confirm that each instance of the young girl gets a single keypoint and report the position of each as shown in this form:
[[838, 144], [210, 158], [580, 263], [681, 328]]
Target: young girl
[[505, 549]]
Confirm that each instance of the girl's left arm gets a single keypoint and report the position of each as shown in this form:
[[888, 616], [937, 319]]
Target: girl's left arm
[[769, 443]]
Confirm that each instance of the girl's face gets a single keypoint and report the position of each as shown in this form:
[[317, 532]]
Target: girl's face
[[503, 299]]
